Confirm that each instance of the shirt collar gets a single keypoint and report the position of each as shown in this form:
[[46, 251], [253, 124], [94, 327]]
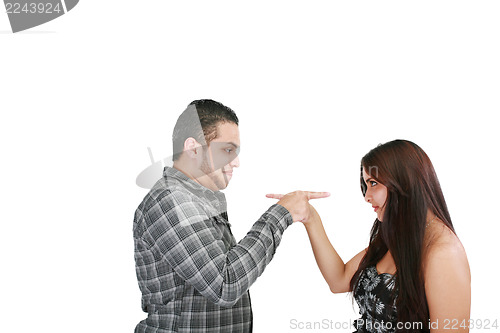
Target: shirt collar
[[214, 198]]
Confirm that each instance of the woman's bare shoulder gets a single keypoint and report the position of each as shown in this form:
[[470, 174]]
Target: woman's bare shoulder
[[445, 252]]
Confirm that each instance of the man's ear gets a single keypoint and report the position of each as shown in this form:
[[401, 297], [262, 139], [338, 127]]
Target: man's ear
[[192, 147]]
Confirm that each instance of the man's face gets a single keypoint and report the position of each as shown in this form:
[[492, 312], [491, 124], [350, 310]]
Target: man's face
[[221, 156]]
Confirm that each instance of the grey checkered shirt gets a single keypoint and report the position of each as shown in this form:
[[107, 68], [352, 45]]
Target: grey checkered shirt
[[193, 275]]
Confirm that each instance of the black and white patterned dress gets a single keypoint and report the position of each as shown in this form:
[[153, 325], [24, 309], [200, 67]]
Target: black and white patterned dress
[[373, 295]]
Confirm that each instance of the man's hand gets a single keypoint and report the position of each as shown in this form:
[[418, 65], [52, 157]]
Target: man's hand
[[297, 203]]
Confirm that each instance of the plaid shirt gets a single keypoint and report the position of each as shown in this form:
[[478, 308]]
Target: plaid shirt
[[193, 275]]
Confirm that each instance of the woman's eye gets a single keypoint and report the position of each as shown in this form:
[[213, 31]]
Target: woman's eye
[[373, 183], [229, 150]]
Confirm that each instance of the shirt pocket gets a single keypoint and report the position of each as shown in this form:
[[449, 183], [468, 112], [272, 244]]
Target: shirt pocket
[[215, 228]]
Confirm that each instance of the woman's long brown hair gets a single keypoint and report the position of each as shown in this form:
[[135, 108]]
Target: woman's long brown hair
[[412, 188]]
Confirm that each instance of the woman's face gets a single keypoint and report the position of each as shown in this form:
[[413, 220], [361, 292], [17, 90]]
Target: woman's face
[[376, 194]]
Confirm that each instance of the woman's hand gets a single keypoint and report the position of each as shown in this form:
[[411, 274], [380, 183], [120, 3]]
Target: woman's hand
[[313, 216], [297, 203]]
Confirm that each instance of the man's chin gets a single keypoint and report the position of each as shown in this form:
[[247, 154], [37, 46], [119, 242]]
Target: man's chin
[[221, 183], [224, 186]]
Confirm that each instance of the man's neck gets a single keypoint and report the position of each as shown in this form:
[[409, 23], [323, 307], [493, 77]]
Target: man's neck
[[191, 175]]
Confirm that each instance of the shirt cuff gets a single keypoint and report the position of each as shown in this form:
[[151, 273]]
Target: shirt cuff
[[280, 216]]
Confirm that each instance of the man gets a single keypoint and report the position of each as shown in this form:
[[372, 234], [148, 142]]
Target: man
[[193, 275]]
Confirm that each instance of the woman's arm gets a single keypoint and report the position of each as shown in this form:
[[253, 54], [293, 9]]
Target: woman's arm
[[447, 286], [337, 274]]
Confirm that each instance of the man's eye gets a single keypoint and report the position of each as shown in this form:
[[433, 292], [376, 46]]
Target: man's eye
[[228, 150]]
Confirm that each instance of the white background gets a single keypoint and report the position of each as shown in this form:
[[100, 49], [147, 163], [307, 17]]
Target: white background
[[315, 84]]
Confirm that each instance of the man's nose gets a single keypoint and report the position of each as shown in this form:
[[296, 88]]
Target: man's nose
[[236, 162]]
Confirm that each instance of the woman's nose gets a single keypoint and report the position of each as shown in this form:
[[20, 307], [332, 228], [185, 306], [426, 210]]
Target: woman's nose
[[368, 197]]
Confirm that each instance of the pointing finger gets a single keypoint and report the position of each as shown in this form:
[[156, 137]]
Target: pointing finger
[[317, 195], [275, 196]]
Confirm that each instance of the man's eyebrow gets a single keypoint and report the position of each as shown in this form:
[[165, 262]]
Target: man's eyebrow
[[234, 144]]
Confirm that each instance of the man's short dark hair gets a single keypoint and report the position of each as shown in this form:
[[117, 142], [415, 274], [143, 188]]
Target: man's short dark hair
[[200, 121]]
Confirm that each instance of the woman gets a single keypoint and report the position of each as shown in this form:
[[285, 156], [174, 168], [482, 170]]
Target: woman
[[414, 275]]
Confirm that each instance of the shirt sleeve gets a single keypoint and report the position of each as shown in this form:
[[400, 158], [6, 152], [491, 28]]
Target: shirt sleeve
[[182, 233]]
